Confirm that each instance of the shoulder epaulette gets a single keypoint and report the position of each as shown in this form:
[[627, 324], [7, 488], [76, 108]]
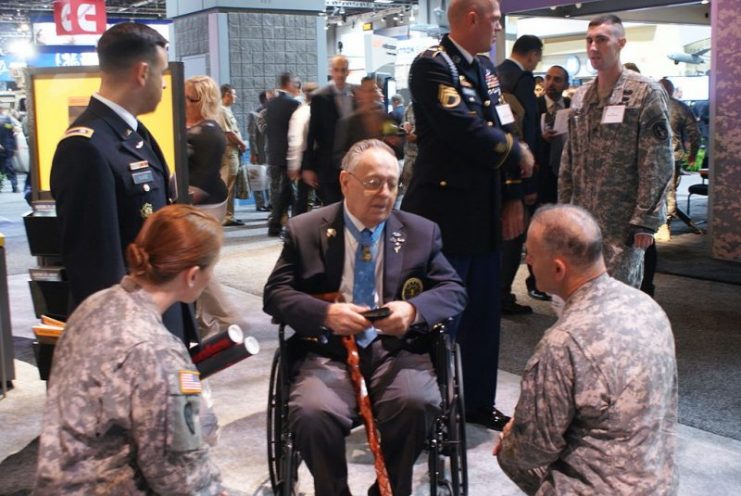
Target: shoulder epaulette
[[85, 132]]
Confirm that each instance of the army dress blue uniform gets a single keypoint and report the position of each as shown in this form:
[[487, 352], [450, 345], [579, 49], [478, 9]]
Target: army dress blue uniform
[[106, 179], [468, 162]]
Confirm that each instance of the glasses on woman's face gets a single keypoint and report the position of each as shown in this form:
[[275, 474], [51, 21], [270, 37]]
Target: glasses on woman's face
[[375, 183]]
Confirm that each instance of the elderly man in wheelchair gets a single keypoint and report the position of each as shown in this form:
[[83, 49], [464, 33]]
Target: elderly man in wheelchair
[[353, 278]]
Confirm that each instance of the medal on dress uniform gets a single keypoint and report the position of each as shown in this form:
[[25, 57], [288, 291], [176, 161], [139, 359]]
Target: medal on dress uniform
[[138, 165], [146, 210]]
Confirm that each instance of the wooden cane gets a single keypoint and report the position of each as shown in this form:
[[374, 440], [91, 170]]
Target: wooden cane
[[366, 412], [363, 400]]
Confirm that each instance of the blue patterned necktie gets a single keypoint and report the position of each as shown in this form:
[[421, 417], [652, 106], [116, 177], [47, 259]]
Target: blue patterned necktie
[[364, 276]]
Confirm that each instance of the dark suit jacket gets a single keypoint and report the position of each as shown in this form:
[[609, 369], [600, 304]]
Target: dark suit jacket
[[103, 194], [279, 112], [548, 157], [522, 85], [467, 161], [321, 136], [312, 262]]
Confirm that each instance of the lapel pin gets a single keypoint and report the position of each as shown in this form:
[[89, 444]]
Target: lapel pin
[[140, 144], [331, 233]]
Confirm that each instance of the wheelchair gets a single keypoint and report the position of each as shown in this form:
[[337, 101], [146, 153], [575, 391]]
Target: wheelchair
[[446, 442]]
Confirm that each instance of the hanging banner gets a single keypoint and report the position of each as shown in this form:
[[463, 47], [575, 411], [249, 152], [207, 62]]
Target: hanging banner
[[79, 16]]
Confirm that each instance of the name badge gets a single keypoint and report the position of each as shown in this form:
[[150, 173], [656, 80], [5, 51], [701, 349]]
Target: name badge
[[613, 114], [142, 177], [138, 165], [505, 114]]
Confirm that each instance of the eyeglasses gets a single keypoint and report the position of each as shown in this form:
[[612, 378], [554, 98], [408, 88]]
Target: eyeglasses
[[375, 183]]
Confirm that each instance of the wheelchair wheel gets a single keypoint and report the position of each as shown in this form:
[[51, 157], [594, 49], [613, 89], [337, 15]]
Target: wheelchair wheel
[[456, 447], [448, 437], [283, 458]]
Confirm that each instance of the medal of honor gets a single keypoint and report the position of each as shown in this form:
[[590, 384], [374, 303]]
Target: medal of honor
[[367, 256]]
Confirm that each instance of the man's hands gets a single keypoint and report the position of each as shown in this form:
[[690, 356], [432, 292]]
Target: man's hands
[[401, 318], [505, 432], [345, 319], [293, 175], [527, 161], [310, 178], [513, 219], [549, 134]]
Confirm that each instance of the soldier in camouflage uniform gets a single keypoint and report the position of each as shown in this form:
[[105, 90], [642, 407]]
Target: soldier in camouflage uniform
[[598, 404], [686, 140], [123, 413], [617, 161]]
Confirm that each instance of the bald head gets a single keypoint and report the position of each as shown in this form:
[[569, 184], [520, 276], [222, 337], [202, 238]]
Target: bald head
[[569, 232], [474, 23]]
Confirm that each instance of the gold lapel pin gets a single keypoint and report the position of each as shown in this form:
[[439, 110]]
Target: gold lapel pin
[[331, 233]]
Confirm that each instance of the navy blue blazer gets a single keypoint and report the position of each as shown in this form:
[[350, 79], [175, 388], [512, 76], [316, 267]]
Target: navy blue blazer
[[312, 261]]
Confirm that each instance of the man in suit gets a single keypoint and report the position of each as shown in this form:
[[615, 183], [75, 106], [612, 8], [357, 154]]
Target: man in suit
[[371, 256], [278, 116], [328, 105], [516, 76], [108, 174], [256, 128], [467, 178], [548, 153]]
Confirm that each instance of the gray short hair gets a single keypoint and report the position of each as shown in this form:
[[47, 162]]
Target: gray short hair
[[571, 232], [352, 157]]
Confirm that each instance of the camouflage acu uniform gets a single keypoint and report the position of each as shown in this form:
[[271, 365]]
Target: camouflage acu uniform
[[122, 413], [619, 172], [685, 129], [598, 402]]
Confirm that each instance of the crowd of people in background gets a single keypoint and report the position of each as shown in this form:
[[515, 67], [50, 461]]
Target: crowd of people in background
[[484, 153]]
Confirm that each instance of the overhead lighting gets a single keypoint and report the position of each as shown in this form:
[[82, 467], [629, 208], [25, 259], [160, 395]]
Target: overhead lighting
[[705, 2], [22, 48], [384, 1]]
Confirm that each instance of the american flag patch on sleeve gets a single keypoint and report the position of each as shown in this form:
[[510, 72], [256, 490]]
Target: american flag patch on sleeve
[[190, 382]]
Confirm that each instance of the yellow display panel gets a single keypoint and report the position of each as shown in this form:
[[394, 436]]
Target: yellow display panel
[[59, 98]]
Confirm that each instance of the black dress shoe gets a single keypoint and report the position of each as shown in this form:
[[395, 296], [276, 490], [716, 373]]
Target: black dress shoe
[[493, 419], [511, 307], [538, 295], [274, 232], [234, 222]]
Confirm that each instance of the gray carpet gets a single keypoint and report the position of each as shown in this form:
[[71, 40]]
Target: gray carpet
[[687, 254], [708, 347]]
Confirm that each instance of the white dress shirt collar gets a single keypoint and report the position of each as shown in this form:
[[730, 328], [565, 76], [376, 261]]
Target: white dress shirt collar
[[124, 114]]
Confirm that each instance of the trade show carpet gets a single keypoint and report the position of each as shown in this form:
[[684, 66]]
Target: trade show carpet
[[705, 318]]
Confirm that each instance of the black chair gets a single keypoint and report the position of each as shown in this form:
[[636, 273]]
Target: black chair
[[447, 438], [697, 189]]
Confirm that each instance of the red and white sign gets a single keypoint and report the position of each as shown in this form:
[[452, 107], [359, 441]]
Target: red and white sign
[[79, 16]]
